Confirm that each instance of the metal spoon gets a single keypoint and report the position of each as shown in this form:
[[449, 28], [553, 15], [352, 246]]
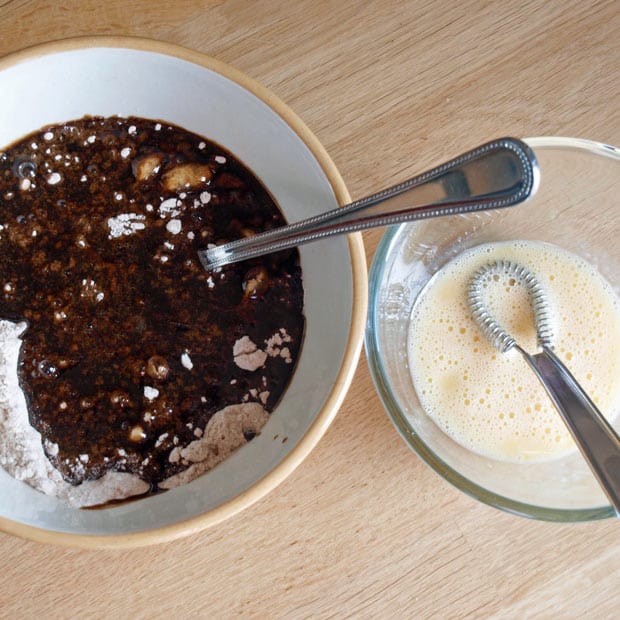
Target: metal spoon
[[497, 174], [595, 437]]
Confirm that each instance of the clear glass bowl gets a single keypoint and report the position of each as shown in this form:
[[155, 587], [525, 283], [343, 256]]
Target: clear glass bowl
[[575, 208]]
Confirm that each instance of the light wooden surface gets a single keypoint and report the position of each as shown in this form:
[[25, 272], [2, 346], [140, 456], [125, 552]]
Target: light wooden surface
[[362, 528]]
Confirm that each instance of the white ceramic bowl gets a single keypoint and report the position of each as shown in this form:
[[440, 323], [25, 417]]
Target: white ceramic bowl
[[112, 76]]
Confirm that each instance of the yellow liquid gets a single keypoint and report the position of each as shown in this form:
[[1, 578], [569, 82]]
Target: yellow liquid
[[491, 402]]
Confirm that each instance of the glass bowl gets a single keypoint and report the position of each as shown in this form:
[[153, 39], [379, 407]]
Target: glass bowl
[[575, 208]]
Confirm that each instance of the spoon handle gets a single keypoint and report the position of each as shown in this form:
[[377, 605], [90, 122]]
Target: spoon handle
[[597, 440], [497, 174]]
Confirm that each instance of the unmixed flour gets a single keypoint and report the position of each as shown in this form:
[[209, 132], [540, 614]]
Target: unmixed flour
[[22, 455]]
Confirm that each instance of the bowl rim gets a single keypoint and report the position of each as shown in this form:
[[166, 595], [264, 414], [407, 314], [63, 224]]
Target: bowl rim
[[358, 312], [382, 384]]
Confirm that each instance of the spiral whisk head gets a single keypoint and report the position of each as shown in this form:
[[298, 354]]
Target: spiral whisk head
[[494, 332]]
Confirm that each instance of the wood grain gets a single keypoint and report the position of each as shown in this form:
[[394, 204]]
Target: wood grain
[[362, 528]]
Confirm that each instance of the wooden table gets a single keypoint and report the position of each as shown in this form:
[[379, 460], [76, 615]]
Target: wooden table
[[362, 528]]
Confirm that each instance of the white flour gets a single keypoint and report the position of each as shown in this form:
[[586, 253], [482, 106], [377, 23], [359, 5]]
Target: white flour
[[22, 455]]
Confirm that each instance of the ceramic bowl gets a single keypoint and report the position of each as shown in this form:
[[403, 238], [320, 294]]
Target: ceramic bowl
[[111, 76], [575, 208]]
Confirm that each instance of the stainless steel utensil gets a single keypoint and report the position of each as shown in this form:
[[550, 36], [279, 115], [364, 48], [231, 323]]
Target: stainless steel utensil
[[497, 174], [597, 440]]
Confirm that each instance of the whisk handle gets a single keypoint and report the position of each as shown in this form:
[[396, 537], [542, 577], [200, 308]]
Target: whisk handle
[[597, 440]]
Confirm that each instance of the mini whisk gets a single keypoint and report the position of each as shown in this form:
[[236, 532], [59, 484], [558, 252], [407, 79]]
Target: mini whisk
[[597, 440]]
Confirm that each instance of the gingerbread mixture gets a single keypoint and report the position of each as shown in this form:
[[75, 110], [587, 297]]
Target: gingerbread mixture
[[135, 360]]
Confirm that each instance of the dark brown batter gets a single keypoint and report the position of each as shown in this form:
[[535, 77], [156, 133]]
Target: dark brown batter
[[129, 344]]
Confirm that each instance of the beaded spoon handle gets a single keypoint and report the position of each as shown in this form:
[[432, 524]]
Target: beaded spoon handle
[[497, 174], [597, 440]]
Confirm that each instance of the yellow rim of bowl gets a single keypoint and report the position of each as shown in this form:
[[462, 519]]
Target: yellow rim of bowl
[[358, 315]]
